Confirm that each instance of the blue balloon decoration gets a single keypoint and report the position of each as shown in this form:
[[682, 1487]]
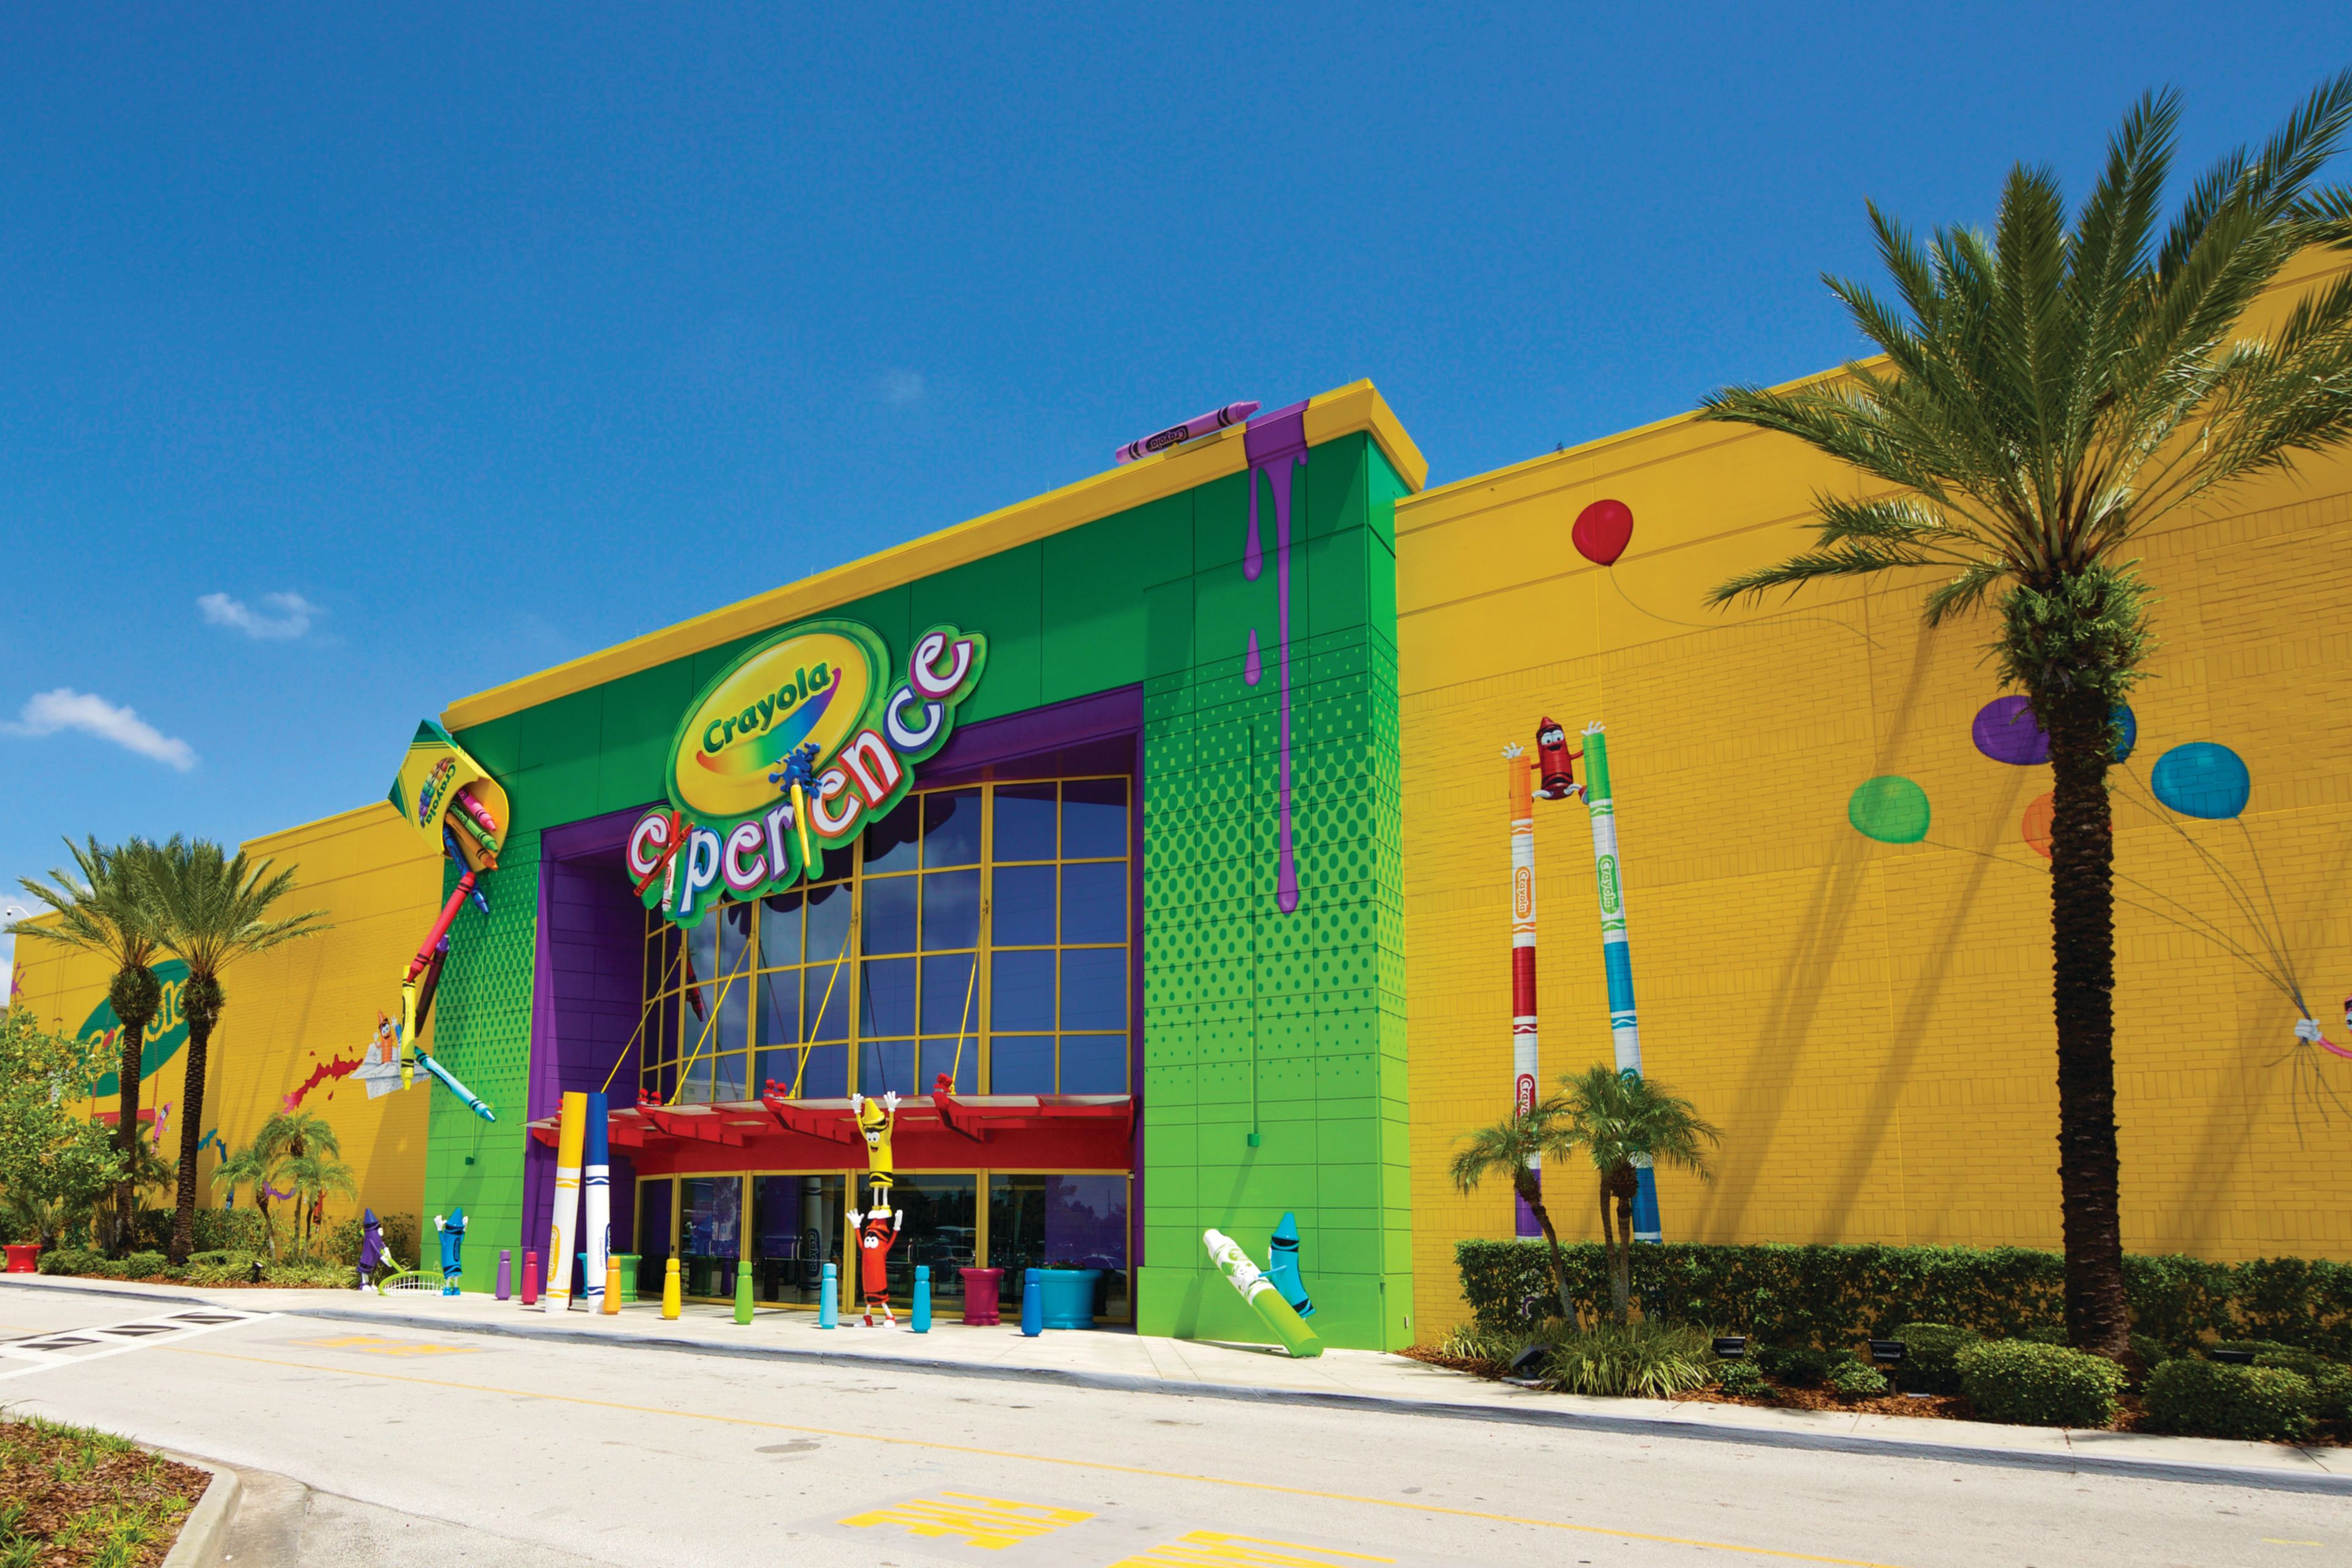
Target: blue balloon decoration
[[2127, 725], [2203, 779]]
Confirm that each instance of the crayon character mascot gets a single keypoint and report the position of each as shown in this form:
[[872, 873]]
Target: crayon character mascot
[[1555, 763], [877, 1232], [453, 1240], [875, 1118], [375, 1256]]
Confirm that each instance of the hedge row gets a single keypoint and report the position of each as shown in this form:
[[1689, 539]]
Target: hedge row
[[1830, 1296]]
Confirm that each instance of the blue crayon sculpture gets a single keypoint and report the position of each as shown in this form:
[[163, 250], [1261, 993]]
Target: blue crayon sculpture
[[449, 1081], [453, 1242], [828, 1302], [922, 1298], [449, 841], [1281, 1266], [1033, 1305]]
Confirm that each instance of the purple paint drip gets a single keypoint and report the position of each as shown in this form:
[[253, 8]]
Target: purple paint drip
[[1275, 443], [1253, 667], [1252, 558]]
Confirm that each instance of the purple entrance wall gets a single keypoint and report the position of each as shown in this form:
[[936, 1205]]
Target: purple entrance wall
[[590, 960], [591, 933]]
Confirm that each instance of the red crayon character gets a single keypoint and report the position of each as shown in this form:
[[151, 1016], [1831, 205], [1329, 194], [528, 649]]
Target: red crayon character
[[1555, 763], [877, 1233]]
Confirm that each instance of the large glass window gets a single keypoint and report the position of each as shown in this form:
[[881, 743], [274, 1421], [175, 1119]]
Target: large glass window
[[981, 932], [796, 1228], [1061, 1222]]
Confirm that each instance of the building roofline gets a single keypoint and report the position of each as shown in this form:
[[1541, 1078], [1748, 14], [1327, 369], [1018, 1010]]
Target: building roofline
[[1342, 411]]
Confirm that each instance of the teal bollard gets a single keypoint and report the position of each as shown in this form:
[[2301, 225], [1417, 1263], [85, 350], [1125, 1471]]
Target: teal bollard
[[1033, 1305], [828, 1309], [922, 1298]]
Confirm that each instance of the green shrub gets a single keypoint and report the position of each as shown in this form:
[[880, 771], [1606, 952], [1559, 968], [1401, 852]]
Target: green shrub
[[71, 1260], [2152, 1352], [1741, 1377], [222, 1267], [1858, 1380], [1929, 1356], [2043, 1334], [1641, 1360], [2039, 1385], [2250, 1347], [2308, 1364], [1839, 1295], [2332, 1396], [1475, 1341], [311, 1276], [1800, 1366], [146, 1266], [230, 1230], [2209, 1399]]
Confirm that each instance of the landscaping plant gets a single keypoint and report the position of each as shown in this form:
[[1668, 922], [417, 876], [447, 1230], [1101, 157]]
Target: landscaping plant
[[1858, 1380], [2031, 1384], [1636, 1361], [1623, 1122], [55, 1166], [2048, 393], [1516, 1148], [209, 908], [1931, 1356], [99, 908], [2208, 1399]]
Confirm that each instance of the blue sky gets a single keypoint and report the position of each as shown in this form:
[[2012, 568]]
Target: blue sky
[[356, 363]]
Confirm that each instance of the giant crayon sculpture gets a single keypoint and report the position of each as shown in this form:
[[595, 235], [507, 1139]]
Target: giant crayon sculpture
[[1281, 1266], [440, 927], [1198, 425], [449, 1081], [1616, 957], [1526, 1058], [596, 1196], [571, 1132], [1259, 1290]]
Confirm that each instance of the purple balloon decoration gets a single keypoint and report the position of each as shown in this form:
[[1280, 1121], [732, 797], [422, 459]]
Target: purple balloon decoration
[[2006, 732]]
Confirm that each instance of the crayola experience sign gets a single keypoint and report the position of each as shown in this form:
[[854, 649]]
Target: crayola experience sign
[[751, 810]]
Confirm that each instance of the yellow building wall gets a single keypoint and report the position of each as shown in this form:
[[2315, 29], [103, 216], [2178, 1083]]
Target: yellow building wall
[[1869, 1024], [299, 1011]]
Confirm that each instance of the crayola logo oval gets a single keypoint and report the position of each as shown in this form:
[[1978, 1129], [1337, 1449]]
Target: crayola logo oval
[[807, 685]]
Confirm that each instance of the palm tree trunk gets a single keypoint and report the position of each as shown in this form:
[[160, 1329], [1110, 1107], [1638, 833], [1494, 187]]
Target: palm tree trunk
[[1617, 1291], [2082, 979], [200, 1001], [1559, 1259], [126, 1133]]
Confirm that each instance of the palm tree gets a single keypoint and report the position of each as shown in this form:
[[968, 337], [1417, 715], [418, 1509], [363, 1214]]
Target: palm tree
[[312, 1176], [210, 910], [1516, 1147], [96, 908], [1623, 1122], [2047, 393], [255, 1165]]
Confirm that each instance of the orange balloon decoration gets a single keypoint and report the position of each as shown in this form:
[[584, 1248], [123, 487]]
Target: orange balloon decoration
[[2037, 824]]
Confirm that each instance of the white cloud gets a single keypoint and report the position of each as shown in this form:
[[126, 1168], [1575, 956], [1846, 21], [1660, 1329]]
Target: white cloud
[[66, 709], [903, 388], [283, 616]]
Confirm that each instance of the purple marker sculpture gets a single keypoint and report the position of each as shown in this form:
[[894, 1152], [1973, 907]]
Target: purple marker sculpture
[[1200, 425], [1275, 443]]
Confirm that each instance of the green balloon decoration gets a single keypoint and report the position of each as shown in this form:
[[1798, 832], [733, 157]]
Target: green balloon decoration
[[1890, 809]]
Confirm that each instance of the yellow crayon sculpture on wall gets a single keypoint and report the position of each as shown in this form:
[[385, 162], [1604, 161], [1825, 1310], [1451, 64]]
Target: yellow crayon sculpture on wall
[[570, 1137]]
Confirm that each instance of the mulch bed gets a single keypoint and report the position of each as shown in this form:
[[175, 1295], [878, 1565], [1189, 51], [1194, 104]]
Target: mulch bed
[[80, 1497], [2132, 1417]]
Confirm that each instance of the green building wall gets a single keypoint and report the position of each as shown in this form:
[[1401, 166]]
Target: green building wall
[[1290, 1027]]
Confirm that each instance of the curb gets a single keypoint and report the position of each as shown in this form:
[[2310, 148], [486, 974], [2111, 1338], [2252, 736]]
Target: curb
[[207, 1528], [2069, 1461]]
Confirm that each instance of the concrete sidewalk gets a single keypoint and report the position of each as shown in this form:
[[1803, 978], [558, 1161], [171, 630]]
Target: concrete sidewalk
[[1208, 1369]]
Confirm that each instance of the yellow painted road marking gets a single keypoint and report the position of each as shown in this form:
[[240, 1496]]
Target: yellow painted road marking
[[2274, 1541], [376, 1344], [1402, 1504], [990, 1521], [1216, 1549]]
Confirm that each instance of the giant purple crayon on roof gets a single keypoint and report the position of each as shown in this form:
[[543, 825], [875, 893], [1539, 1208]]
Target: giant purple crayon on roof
[[1200, 425]]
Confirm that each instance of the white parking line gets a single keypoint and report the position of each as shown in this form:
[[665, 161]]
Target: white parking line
[[71, 1347]]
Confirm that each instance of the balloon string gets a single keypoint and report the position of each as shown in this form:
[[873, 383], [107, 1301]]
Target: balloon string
[[1719, 625], [2231, 883]]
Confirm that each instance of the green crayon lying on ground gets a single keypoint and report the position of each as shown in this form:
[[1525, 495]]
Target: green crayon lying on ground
[[1259, 1292]]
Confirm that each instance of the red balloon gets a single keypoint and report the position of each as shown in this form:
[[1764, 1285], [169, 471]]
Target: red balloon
[[1603, 531]]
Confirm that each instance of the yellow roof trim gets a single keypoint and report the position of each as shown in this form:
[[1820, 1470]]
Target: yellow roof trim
[[1357, 407]]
